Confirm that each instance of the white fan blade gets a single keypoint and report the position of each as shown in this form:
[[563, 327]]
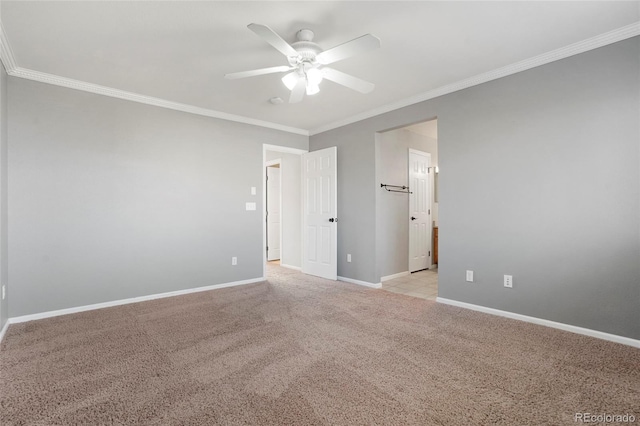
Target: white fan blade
[[359, 45], [298, 91], [261, 71], [347, 80], [273, 39]]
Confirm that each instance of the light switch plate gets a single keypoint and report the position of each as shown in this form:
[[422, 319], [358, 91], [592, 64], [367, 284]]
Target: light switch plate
[[253, 190], [251, 206], [470, 276]]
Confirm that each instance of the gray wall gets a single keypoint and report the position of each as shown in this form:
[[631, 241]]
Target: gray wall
[[112, 199], [4, 270], [356, 197], [392, 208], [539, 178], [291, 215]]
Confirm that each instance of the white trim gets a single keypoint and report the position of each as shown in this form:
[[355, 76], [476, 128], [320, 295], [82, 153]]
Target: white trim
[[364, 283], [268, 164], [561, 326], [295, 268], [604, 39], [6, 54], [394, 276], [285, 149], [4, 330], [149, 100], [619, 34], [77, 309]]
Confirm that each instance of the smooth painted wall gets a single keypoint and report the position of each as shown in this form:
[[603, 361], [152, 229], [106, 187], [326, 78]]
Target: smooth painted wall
[[291, 215], [110, 199], [355, 146], [539, 178], [392, 208], [4, 258]]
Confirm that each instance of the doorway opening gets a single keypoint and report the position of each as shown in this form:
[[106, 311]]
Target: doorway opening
[[407, 223], [282, 208]]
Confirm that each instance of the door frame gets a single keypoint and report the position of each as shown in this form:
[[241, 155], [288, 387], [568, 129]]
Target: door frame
[[274, 148], [270, 163], [430, 206]]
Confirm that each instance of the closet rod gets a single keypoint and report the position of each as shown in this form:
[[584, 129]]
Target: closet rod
[[403, 188]]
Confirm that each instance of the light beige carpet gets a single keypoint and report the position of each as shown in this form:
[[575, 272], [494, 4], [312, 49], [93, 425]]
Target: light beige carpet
[[297, 350]]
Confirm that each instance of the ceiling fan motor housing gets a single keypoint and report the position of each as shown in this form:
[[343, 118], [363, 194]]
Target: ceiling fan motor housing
[[306, 48]]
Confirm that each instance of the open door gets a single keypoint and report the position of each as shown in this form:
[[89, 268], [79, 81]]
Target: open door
[[319, 221], [419, 211]]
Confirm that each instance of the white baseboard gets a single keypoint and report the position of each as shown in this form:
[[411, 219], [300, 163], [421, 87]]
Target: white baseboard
[[394, 276], [49, 314], [566, 327], [364, 283], [4, 330], [295, 268]]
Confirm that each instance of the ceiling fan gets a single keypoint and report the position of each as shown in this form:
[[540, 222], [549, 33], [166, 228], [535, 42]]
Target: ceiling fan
[[307, 62]]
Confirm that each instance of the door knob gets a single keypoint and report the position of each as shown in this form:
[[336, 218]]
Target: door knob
[[331, 220], [413, 218]]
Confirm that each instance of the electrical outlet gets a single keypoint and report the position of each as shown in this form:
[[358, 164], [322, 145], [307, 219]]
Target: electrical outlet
[[470, 276], [508, 281], [4, 292], [234, 261], [348, 258]]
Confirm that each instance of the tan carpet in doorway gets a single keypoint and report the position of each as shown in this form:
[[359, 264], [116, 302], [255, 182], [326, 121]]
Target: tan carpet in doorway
[[297, 350]]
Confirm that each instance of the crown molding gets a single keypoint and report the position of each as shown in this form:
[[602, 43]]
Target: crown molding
[[6, 54], [9, 62], [623, 33], [135, 97], [601, 40]]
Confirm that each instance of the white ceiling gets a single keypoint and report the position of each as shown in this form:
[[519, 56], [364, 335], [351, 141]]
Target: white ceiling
[[179, 51]]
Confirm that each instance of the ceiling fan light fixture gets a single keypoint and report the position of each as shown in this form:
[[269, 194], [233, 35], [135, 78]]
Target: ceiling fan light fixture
[[314, 76], [312, 89], [307, 60], [290, 80]]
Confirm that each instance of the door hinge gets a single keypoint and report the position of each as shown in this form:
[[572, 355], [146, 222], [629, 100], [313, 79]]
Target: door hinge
[[429, 252], [267, 248]]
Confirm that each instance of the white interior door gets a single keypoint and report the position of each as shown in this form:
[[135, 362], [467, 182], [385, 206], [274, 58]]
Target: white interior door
[[319, 221], [273, 213], [419, 211]]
